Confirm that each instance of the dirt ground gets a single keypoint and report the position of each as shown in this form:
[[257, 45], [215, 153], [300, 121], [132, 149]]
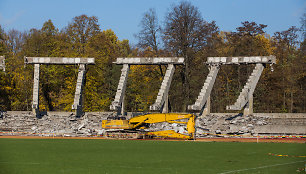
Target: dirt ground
[[259, 140]]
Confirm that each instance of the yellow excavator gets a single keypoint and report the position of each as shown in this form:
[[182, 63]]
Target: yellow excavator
[[136, 127]]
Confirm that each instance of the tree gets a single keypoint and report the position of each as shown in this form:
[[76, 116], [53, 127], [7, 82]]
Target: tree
[[288, 67], [2, 41], [80, 30], [303, 27], [149, 33], [185, 33], [14, 41], [243, 42]]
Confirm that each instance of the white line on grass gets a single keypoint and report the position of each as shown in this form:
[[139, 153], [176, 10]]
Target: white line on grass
[[7, 162], [261, 167]]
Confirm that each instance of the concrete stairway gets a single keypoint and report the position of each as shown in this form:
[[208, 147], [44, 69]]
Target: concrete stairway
[[248, 89], [116, 104], [206, 89], [164, 89]]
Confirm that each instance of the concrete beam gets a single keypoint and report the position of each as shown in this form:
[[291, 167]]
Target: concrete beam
[[150, 60], [241, 60], [59, 60], [2, 63]]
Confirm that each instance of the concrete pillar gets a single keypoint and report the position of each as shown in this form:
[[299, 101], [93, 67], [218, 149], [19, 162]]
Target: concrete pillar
[[35, 102], [166, 104], [78, 96], [122, 105], [248, 110], [206, 108], [201, 102], [161, 102], [248, 90], [2, 63], [118, 103]]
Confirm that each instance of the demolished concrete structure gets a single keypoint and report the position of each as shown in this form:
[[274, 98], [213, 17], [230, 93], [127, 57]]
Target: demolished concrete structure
[[245, 99], [213, 125], [161, 103], [82, 62]]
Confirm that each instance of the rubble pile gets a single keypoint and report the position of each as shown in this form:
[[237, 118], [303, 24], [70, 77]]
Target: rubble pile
[[213, 125], [67, 124], [53, 124]]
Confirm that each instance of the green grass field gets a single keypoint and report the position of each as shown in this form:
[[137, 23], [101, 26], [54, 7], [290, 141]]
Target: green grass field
[[59, 156]]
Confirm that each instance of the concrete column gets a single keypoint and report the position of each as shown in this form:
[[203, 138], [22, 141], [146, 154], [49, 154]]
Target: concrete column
[[206, 109], [248, 110], [2, 63], [201, 102], [35, 103], [118, 104], [166, 104], [161, 102], [78, 96], [122, 105], [248, 89]]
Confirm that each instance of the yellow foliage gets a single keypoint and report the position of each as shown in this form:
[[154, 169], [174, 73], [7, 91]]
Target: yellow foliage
[[264, 45]]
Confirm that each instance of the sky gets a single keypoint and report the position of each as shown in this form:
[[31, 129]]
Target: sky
[[124, 16]]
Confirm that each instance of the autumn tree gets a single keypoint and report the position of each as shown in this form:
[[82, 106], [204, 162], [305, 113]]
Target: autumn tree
[[4, 83], [149, 33], [288, 60], [14, 41], [184, 34], [80, 30]]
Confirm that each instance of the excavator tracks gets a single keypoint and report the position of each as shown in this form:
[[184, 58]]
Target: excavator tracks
[[124, 134]]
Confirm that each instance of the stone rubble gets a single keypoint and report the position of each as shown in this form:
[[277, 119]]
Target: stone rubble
[[58, 124], [53, 125]]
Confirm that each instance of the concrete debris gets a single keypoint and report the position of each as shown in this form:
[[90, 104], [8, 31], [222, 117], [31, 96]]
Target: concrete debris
[[57, 124], [67, 124], [212, 125]]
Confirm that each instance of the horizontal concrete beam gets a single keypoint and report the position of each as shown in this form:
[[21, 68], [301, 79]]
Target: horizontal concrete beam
[[150, 60], [59, 60], [241, 60]]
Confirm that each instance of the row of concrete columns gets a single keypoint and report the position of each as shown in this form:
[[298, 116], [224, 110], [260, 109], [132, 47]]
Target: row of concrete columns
[[202, 104], [161, 102], [245, 98], [82, 62]]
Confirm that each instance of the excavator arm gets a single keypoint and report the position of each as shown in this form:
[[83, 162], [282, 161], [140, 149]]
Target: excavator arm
[[138, 121]]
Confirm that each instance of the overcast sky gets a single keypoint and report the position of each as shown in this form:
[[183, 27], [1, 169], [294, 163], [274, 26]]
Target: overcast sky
[[123, 16]]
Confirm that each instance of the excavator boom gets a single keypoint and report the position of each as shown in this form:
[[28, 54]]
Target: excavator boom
[[137, 122]]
